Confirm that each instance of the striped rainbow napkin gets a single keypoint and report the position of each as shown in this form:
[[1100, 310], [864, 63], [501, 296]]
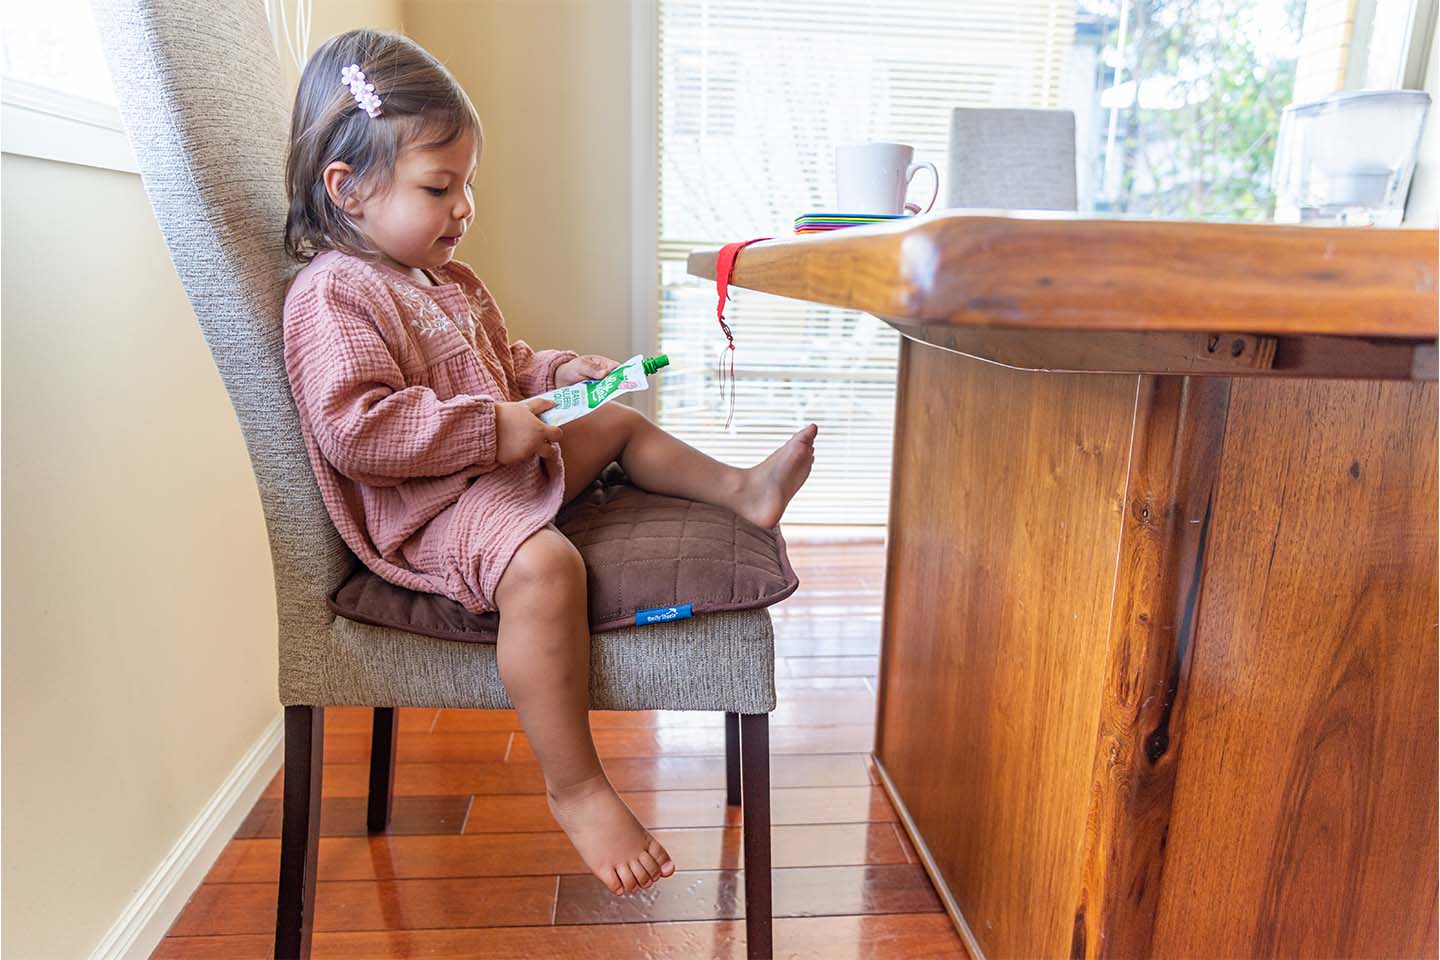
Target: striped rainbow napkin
[[817, 222]]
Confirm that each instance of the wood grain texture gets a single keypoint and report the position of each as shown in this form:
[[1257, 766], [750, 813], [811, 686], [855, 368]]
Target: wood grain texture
[[1118, 724], [1174, 462], [1007, 495], [347, 817], [1354, 358], [1304, 812], [414, 858], [430, 902], [798, 892], [610, 743], [378, 905], [692, 808], [360, 719], [626, 773], [1184, 354], [847, 736], [878, 937], [1107, 351], [1103, 351], [1078, 272]]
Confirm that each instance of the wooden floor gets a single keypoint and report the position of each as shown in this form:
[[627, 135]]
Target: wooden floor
[[474, 866]]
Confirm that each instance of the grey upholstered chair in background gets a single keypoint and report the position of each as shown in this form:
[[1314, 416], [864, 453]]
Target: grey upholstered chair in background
[[201, 94], [1012, 159]]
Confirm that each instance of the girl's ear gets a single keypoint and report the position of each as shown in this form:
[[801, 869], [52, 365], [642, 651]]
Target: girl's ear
[[333, 176]]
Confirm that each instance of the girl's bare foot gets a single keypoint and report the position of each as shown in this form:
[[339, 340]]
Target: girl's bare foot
[[769, 485], [613, 844]]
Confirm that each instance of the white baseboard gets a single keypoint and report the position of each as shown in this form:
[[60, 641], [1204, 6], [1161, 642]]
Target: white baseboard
[[141, 925]]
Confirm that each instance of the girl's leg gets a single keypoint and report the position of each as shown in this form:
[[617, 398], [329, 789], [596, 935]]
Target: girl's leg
[[659, 462], [544, 659]]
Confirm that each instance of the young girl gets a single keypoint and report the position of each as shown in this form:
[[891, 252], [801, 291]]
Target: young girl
[[437, 472]]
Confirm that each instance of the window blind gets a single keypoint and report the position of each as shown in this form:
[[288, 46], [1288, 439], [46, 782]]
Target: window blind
[[753, 97]]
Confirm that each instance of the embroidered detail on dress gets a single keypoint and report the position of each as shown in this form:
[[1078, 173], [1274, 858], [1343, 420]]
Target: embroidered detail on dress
[[429, 319], [431, 325]]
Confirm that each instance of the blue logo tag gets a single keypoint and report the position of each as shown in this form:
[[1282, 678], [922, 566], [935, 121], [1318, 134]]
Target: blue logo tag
[[662, 614]]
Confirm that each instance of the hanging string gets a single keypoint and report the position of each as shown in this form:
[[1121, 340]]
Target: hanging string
[[725, 367], [725, 373]]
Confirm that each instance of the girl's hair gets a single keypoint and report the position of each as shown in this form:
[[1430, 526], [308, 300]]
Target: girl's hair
[[420, 104]]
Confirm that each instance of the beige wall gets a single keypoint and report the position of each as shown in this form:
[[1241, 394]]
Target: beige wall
[[139, 623], [139, 652], [551, 82]]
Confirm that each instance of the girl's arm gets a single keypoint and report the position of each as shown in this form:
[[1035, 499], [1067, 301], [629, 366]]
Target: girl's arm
[[536, 369], [368, 424]]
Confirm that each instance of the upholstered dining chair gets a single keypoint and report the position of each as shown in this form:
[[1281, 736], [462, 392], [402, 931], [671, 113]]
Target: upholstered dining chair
[[1007, 158], [201, 94]]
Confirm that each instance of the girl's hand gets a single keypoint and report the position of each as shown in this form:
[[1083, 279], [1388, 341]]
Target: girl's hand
[[591, 366], [520, 433]]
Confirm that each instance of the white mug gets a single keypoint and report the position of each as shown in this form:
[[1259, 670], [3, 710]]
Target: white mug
[[873, 177]]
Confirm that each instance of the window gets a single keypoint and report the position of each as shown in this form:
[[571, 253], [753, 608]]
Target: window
[[1190, 96], [753, 97], [1213, 78], [1177, 105], [58, 100]]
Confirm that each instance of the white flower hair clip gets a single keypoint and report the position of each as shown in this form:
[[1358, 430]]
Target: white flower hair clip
[[363, 92]]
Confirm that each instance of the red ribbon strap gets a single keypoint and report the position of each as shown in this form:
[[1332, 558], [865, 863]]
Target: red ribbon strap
[[724, 267]]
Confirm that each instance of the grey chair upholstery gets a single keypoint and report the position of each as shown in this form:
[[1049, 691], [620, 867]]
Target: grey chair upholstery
[[1011, 159], [201, 94]]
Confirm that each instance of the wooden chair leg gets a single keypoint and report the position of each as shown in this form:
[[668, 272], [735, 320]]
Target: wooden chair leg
[[732, 759], [755, 785], [382, 769], [299, 831]]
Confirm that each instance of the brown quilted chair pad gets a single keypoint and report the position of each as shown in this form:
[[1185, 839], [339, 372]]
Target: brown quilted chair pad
[[642, 551]]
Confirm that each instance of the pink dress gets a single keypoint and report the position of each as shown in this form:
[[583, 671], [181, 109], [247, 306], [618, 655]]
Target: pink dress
[[396, 384]]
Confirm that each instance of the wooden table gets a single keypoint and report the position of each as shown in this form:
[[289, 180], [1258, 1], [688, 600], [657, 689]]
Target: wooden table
[[1158, 675]]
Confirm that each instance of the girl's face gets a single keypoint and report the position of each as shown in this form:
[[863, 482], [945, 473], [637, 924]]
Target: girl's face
[[417, 222]]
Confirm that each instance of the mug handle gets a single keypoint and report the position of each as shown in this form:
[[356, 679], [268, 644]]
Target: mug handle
[[910, 171]]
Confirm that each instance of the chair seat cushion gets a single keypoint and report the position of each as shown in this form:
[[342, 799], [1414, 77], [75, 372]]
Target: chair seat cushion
[[648, 557]]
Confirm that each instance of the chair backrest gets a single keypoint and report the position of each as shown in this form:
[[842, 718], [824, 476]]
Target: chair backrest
[[1010, 159], [201, 94]]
